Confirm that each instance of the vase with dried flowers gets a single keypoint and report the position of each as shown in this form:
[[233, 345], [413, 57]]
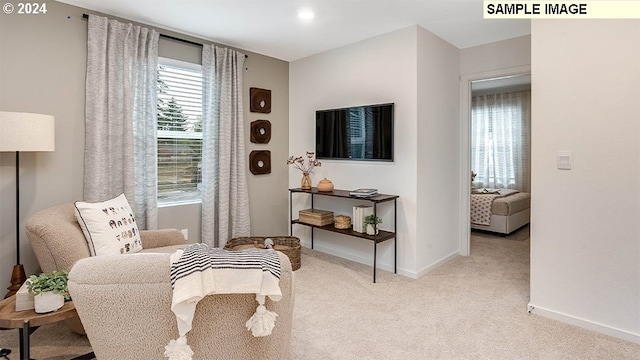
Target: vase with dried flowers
[[306, 164]]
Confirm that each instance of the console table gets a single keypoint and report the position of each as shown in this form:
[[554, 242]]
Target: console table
[[375, 200]]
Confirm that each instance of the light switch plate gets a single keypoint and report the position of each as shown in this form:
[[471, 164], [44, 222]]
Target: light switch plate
[[565, 160]]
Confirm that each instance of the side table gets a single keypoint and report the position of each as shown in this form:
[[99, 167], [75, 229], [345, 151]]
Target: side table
[[27, 321]]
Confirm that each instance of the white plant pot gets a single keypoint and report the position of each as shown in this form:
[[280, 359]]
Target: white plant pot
[[372, 229], [47, 302]]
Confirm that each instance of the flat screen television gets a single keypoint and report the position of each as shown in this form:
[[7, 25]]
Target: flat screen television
[[355, 133]]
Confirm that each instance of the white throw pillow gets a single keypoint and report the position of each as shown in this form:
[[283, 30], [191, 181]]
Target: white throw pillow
[[109, 226]]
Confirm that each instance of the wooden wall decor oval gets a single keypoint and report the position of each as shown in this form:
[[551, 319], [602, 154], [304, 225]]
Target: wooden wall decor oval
[[260, 100], [260, 162], [260, 131]]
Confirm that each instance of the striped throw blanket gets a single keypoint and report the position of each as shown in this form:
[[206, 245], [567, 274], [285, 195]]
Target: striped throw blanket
[[198, 271]]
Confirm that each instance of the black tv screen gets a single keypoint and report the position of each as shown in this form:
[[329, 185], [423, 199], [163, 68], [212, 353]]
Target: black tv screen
[[355, 133]]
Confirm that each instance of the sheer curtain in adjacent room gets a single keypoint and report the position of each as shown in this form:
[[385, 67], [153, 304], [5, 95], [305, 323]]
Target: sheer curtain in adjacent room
[[500, 140]]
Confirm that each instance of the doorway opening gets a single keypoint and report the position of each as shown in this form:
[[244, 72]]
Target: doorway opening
[[493, 90]]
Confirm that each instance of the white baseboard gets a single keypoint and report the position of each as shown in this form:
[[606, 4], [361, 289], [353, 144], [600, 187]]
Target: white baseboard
[[359, 259], [439, 263], [352, 257], [585, 324], [380, 265]]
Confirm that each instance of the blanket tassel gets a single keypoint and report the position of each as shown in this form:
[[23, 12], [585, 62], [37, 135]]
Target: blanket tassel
[[263, 321], [178, 349]]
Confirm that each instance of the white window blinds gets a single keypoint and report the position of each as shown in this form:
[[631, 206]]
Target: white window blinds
[[179, 131]]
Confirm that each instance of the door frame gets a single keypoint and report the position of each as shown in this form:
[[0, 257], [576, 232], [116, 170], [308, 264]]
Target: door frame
[[465, 146]]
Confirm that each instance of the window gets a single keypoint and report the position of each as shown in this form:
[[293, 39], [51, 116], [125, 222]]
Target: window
[[500, 142], [179, 131]]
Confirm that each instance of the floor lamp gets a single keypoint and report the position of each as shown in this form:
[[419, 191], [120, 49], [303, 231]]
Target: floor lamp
[[24, 132]]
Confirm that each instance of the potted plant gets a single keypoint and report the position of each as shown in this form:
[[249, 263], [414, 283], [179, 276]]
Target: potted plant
[[49, 290], [371, 224]]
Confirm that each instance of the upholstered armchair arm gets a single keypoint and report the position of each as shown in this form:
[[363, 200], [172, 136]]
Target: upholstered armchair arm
[[124, 302], [160, 238], [124, 297]]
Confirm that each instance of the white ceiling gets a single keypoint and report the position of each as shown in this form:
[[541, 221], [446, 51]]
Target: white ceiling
[[271, 27]]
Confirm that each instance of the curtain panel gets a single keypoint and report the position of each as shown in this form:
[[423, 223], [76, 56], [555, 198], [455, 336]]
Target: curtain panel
[[120, 133], [225, 195], [501, 141]]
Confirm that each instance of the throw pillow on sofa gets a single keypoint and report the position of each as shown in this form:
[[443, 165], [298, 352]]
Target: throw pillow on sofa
[[109, 226]]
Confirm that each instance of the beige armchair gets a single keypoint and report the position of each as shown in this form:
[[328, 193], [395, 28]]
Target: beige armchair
[[58, 242], [124, 302]]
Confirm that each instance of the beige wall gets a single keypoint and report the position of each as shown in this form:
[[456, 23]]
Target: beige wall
[[438, 147], [495, 56], [419, 73], [585, 229], [269, 199], [42, 70], [374, 71]]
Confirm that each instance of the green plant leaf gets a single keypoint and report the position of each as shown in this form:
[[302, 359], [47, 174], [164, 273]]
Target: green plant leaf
[[371, 219], [52, 281]]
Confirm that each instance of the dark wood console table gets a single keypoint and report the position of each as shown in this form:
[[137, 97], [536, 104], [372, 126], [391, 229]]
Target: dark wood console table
[[375, 200]]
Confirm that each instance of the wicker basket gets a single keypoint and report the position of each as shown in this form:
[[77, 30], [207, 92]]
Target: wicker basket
[[342, 222], [288, 245]]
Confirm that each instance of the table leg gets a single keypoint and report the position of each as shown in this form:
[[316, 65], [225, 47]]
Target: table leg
[[24, 341], [312, 227], [395, 239], [375, 248], [395, 255], [375, 241]]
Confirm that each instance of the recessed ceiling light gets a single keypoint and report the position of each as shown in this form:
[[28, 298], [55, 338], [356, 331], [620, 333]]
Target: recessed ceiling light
[[306, 14]]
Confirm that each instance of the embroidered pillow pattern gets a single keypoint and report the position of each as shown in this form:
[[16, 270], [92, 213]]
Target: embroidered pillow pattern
[[109, 226]]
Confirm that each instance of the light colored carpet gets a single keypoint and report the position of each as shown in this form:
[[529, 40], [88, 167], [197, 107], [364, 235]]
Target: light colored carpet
[[470, 308]]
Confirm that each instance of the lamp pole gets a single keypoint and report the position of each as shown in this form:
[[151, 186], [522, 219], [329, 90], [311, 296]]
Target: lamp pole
[[18, 276]]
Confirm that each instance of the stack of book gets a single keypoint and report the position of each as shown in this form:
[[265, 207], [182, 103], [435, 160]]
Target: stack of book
[[363, 192], [359, 213]]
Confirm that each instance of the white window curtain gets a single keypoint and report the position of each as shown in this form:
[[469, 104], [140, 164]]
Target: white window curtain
[[225, 196], [120, 126], [500, 140]]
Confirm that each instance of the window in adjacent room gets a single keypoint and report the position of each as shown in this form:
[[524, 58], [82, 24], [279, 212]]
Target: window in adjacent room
[[500, 139], [179, 131]]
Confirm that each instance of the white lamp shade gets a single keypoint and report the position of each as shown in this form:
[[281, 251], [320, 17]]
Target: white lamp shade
[[26, 132]]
